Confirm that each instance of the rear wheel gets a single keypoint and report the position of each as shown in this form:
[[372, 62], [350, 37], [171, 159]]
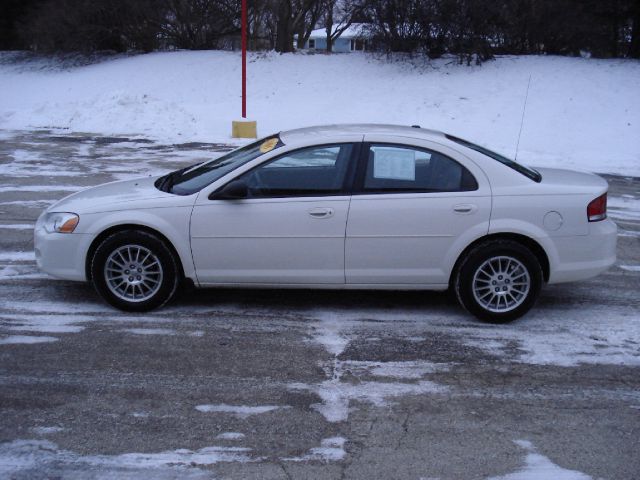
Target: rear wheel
[[135, 271], [498, 281]]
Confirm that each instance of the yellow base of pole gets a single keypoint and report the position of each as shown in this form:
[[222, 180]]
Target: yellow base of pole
[[244, 129]]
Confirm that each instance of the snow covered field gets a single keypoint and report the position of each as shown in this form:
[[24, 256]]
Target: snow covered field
[[581, 113]]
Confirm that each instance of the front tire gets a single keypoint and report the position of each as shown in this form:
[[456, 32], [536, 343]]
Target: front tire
[[498, 281], [135, 271]]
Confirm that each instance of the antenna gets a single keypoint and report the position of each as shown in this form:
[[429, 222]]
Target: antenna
[[524, 109]]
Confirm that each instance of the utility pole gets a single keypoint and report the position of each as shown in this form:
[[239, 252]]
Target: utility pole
[[244, 128]]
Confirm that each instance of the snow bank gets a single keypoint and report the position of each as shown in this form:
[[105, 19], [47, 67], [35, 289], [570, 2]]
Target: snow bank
[[581, 113]]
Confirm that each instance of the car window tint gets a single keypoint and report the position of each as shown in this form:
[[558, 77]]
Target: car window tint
[[518, 167], [404, 169], [188, 181], [306, 172]]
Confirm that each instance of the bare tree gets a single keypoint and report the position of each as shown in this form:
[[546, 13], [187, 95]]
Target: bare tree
[[289, 16], [199, 24], [339, 15], [634, 44]]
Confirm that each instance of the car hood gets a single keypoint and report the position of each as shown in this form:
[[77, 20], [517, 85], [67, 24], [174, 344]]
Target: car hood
[[118, 195]]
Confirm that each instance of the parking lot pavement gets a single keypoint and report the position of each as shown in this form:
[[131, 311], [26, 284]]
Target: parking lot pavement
[[245, 384]]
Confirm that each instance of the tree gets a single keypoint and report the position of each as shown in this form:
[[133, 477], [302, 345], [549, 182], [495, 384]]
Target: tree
[[634, 44], [88, 26], [12, 15], [399, 25], [339, 15], [290, 16], [200, 24]]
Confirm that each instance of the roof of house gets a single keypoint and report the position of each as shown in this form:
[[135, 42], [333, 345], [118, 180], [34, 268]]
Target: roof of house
[[355, 30]]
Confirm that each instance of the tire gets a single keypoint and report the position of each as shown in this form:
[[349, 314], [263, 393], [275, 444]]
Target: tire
[[150, 284], [498, 281]]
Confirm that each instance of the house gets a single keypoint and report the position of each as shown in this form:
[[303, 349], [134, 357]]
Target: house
[[353, 39]]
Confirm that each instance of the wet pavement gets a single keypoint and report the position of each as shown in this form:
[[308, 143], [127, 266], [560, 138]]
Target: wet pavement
[[277, 384]]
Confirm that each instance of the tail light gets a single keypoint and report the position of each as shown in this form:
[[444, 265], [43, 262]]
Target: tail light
[[597, 209]]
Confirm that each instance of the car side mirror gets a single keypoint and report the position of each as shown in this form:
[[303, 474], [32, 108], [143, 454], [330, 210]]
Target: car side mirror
[[234, 190]]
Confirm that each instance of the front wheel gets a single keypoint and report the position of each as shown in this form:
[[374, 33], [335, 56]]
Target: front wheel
[[134, 271], [499, 281]]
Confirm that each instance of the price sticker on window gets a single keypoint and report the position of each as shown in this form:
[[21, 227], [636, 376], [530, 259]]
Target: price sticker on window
[[394, 164]]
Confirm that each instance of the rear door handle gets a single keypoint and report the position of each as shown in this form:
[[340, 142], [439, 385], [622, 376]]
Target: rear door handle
[[465, 208], [321, 212]]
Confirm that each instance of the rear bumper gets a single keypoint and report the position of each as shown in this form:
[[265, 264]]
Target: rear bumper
[[585, 256]]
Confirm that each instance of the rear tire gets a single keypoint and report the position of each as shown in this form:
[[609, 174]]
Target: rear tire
[[498, 281], [135, 271]]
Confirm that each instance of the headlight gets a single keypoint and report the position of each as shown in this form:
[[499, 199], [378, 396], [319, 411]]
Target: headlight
[[61, 222]]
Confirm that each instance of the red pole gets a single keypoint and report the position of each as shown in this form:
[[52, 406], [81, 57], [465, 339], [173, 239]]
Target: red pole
[[244, 58]]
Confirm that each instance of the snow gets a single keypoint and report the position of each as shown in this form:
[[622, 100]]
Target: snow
[[25, 339], [623, 208], [47, 327], [240, 411], [581, 113], [150, 331], [17, 256], [230, 436], [355, 30], [627, 233], [410, 369], [30, 203], [328, 334], [337, 394], [18, 226], [539, 467], [630, 268], [330, 450], [31, 456], [52, 307], [40, 188], [47, 430], [606, 336]]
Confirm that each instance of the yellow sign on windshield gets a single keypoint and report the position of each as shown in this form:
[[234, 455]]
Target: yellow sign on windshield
[[268, 145]]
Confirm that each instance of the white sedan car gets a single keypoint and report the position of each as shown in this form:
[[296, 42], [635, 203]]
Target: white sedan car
[[342, 207]]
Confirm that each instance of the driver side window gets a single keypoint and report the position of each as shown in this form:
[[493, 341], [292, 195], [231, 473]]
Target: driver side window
[[306, 172]]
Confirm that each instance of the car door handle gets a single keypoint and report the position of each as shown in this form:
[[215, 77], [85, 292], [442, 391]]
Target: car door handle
[[321, 212], [465, 208]]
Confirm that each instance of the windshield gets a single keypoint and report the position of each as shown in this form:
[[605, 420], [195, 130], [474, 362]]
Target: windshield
[[194, 178], [518, 167]]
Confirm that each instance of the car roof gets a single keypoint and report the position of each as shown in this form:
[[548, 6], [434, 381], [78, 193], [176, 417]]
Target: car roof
[[317, 132]]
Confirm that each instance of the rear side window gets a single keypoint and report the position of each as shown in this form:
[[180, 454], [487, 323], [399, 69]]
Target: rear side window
[[518, 167], [393, 168]]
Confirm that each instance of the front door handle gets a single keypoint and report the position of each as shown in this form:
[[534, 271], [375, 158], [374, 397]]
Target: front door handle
[[465, 208], [321, 212]]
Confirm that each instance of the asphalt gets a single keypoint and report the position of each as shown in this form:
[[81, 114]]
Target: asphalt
[[354, 385]]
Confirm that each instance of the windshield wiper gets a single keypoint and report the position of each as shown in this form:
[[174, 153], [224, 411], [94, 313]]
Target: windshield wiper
[[162, 182], [165, 184]]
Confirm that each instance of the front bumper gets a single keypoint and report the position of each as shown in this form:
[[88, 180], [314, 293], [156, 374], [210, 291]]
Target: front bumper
[[61, 255], [585, 256]]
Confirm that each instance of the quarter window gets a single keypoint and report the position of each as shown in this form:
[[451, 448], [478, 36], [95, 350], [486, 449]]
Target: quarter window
[[392, 168], [307, 172]]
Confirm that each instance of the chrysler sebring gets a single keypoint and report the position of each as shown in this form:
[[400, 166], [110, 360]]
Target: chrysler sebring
[[343, 207]]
